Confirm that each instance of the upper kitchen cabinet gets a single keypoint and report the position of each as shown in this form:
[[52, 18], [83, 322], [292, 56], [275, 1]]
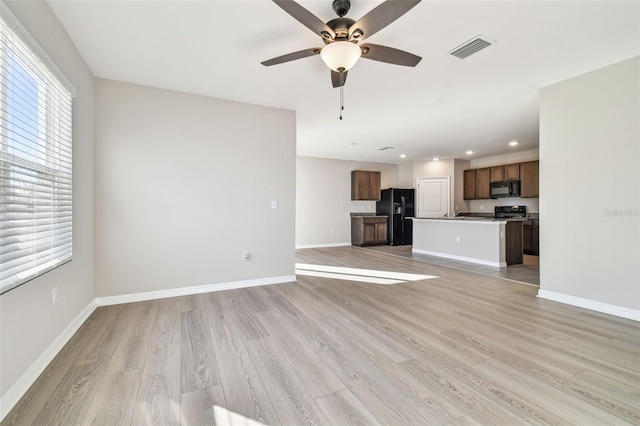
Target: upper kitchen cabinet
[[496, 174], [482, 183], [512, 171], [470, 184], [529, 179], [365, 185]]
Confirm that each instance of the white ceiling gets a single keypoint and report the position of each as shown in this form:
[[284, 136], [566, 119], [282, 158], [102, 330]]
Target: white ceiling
[[443, 107]]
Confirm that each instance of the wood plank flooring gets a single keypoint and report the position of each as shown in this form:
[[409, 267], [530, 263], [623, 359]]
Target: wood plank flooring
[[528, 271], [459, 349]]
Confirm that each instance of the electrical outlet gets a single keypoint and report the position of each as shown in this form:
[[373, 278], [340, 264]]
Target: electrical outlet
[[246, 255], [54, 295], [274, 205], [458, 239], [331, 232], [481, 207]]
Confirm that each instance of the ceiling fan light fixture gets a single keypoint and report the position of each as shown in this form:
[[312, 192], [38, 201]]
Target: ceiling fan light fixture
[[340, 55]]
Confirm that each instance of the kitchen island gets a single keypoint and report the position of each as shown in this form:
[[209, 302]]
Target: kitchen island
[[486, 241]]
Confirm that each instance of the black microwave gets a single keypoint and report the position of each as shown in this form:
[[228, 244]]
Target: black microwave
[[504, 189]]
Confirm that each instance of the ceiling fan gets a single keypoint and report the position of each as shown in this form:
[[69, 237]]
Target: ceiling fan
[[342, 35]]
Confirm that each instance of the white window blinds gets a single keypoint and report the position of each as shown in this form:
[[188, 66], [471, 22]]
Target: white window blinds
[[35, 164]]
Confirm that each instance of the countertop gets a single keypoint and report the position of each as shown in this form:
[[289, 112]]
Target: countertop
[[365, 214], [473, 219]]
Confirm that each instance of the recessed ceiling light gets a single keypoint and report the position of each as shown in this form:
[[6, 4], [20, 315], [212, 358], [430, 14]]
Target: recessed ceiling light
[[436, 159], [403, 155], [513, 143], [469, 152]]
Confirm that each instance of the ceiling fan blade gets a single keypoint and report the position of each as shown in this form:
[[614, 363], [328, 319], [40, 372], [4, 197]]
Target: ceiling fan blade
[[306, 18], [338, 80], [389, 55], [292, 56], [381, 16]]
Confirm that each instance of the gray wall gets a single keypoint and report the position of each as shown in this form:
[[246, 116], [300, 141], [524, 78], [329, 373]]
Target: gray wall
[[29, 322], [184, 184], [589, 144], [323, 200]]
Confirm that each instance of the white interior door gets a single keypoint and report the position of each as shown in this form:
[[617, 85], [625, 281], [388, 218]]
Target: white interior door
[[433, 196]]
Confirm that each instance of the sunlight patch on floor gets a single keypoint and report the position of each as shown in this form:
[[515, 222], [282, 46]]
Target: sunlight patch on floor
[[361, 275], [225, 417]]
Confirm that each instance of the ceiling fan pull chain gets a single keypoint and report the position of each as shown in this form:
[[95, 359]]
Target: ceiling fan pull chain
[[341, 70], [341, 101]]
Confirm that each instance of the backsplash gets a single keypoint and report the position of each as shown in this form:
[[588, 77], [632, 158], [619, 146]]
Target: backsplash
[[362, 206], [487, 206]]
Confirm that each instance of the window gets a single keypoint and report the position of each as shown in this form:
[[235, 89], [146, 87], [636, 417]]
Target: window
[[35, 164]]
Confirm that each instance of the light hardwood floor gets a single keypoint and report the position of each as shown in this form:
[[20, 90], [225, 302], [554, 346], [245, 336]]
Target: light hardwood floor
[[459, 349], [528, 271]]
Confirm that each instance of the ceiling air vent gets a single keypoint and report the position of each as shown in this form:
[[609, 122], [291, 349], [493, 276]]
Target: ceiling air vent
[[384, 148], [472, 46]]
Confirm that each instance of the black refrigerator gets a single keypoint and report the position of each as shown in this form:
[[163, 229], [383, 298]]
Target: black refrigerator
[[398, 205]]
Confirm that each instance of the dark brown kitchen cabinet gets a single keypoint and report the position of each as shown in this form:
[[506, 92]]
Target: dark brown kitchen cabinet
[[368, 230], [512, 172], [482, 183], [365, 185], [470, 184], [531, 237], [497, 174], [529, 174], [513, 242], [476, 184]]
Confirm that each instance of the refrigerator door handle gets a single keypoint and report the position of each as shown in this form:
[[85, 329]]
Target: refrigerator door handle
[[403, 206]]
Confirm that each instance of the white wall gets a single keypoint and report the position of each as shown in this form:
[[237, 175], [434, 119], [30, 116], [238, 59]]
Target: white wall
[[323, 199], [405, 175], [184, 184], [29, 323], [487, 206], [510, 158], [589, 143]]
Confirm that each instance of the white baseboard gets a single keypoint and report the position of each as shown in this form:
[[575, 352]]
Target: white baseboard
[[462, 258], [185, 291], [618, 311], [323, 245], [22, 385]]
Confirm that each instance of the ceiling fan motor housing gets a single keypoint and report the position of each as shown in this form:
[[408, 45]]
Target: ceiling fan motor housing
[[340, 27], [341, 7]]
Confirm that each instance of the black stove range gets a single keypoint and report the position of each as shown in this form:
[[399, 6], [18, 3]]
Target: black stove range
[[507, 212]]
